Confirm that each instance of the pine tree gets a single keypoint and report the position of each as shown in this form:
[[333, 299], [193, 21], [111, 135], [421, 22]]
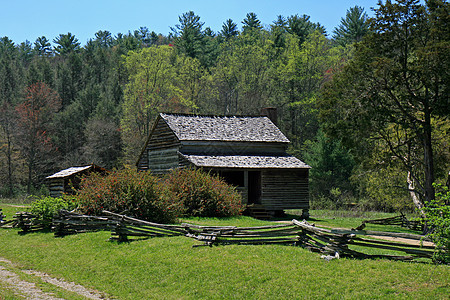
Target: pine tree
[[251, 22], [353, 28], [229, 29]]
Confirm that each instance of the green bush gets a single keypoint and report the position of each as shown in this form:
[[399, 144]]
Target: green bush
[[136, 194], [437, 214], [201, 194], [46, 207]]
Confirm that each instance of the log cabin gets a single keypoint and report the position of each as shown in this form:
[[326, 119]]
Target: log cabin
[[249, 152], [65, 181]]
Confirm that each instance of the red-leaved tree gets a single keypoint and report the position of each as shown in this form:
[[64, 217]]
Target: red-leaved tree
[[35, 115]]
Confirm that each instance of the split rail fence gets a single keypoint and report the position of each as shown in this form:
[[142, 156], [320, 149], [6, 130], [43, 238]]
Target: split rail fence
[[400, 220], [337, 242]]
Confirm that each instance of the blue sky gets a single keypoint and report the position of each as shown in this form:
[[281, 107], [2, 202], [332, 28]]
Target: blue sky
[[22, 20]]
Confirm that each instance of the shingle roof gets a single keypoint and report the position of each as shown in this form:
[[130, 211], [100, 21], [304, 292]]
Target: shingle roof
[[224, 128], [68, 172], [245, 161]]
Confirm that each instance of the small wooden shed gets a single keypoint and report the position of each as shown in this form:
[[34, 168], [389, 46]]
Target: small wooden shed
[[247, 151], [63, 181]]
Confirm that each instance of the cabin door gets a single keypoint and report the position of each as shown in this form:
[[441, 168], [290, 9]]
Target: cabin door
[[254, 187]]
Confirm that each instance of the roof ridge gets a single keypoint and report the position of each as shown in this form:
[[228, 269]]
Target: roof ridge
[[212, 115]]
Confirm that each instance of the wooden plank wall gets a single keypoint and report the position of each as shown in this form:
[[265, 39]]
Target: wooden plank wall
[[244, 193], [285, 189], [232, 148], [56, 187], [161, 152]]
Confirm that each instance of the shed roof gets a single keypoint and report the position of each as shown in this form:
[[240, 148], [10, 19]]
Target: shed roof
[[224, 128], [73, 170], [246, 161]]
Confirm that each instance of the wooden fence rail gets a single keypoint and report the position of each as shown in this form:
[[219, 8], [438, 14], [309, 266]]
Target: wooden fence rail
[[3, 221], [400, 220], [27, 222], [330, 242], [66, 223]]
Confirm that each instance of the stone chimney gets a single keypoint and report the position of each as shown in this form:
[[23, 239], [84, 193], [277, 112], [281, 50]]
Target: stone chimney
[[271, 113]]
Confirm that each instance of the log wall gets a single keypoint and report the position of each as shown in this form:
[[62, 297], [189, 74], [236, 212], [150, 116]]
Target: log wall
[[232, 148], [160, 154], [56, 187], [285, 189]]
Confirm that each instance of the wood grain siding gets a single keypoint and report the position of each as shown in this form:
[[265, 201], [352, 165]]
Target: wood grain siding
[[56, 187], [285, 189], [160, 153], [163, 160], [244, 193], [232, 148]]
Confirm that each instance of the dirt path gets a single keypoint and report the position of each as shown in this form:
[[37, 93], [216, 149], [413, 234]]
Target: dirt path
[[29, 289]]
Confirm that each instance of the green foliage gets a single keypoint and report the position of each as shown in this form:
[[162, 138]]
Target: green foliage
[[152, 88], [46, 207], [331, 167], [251, 23], [229, 29], [437, 213], [129, 192], [66, 44], [353, 28], [189, 36], [392, 90], [202, 195]]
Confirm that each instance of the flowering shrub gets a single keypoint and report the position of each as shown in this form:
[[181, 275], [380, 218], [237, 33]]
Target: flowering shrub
[[129, 192], [202, 195]]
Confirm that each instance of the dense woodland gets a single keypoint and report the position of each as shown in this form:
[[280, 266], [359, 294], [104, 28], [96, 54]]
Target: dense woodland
[[366, 104]]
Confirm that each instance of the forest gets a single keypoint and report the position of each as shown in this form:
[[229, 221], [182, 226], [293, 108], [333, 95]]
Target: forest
[[365, 105]]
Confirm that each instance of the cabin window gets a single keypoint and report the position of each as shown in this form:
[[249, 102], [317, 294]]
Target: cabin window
[[235, 178]]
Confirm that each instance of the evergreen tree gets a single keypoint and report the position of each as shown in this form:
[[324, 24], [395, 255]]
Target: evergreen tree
[[302, 27], [353, 28], [229, 29], [188, 35], [331, 165], [42, 46], [103, 39], [66, 43], [10, 85], [250, 23]]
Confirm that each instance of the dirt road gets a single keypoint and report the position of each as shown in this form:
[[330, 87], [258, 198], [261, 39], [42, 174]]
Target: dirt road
[[10, 276]]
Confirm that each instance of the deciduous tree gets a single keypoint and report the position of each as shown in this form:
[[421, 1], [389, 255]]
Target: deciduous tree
[[152, 88], [34, 119], [396, 87]]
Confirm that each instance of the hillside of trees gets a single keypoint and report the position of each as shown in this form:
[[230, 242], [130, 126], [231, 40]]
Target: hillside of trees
[[365, 105]]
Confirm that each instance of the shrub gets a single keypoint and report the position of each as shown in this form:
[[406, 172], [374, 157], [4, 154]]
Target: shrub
[[137, 194], [437, 214], [201, 194], [46, 207]]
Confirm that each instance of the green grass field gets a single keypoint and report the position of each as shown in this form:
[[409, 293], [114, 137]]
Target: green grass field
[[170, 268]]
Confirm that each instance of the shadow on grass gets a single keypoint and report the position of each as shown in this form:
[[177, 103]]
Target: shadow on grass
[[40, 230]]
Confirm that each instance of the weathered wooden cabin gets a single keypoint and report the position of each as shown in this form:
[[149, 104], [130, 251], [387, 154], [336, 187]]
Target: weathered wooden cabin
[[63, 181], [248, 152]]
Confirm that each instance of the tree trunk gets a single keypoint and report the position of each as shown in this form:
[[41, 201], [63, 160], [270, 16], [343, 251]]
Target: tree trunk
[[428, 157], [414, 196], [9, 160]]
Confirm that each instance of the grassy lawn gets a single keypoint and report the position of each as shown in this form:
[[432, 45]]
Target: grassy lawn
[[170, 268]]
